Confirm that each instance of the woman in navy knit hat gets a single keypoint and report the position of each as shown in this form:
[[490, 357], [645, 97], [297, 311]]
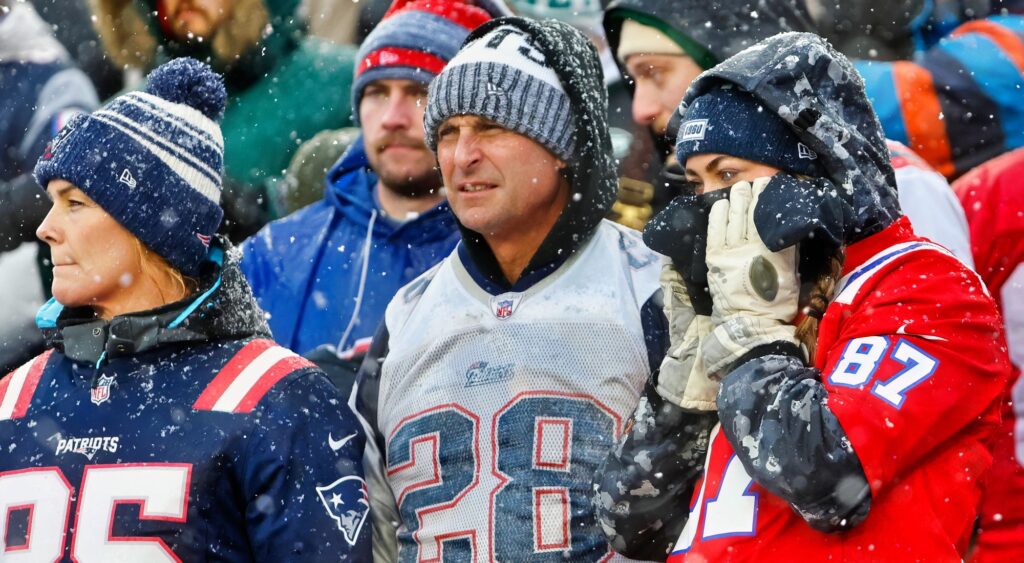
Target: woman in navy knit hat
[[833, 378], [163, 424]]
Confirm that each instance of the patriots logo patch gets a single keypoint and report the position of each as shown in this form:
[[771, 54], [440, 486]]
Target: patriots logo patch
[[88, 446], [348, 504], [480, 373]]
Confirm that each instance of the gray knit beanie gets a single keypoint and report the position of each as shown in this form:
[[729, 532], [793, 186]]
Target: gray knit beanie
[[503, 77]]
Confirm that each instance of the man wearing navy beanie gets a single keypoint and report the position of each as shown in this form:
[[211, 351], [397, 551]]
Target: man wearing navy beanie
[[525, 349]]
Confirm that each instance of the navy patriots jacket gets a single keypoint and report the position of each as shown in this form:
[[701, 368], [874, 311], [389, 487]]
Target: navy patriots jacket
[[177, 434]]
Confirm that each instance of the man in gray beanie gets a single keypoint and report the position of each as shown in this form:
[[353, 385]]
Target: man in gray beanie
[[501, 377], [325, 274]]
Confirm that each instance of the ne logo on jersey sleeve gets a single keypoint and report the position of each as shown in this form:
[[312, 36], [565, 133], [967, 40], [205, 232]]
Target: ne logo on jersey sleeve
[[347, 503]]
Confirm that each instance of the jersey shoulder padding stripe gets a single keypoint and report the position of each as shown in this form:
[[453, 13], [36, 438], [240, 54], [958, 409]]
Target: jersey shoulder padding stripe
[[852, 283], [17, 388], [248, 376]]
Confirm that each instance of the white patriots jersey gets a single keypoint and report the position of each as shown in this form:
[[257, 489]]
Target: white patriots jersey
[[496, 411]]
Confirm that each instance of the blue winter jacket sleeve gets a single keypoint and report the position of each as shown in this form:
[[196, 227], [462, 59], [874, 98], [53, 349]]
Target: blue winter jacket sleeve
[[956, 104], [303, 479]]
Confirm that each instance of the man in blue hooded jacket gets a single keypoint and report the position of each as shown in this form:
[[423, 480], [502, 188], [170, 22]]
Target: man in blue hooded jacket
[[325, 274]]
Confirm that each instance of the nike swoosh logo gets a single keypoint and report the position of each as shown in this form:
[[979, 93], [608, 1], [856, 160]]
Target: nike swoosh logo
[[903, 330], [337, 444]]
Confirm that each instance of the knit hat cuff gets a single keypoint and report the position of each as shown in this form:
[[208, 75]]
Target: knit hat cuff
[[637, 38], [421, 35], [494, 91], [503, 77], [128, 193], [700, 54], [732, 122]]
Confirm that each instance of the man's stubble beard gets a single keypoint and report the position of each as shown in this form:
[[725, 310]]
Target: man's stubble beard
[[425, 183]]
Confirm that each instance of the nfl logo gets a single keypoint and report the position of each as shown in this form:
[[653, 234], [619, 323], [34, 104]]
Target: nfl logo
[[503, 309], [505, 304], [101, 393]]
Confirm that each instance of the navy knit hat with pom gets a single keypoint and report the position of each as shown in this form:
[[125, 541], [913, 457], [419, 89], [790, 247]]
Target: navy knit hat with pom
[[730, 121], [153, 160]]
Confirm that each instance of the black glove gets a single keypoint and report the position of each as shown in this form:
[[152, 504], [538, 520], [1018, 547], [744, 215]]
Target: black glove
[[680, 232], [793, 210]]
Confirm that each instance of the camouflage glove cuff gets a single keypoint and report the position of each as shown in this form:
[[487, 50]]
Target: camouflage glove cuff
[[681, 378]]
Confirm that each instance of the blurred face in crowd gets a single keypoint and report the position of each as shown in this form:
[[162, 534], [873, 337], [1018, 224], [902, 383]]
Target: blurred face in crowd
[[711, 172], [661, 81], [500, 184], [194, 18], [391, 116], [95, 259]]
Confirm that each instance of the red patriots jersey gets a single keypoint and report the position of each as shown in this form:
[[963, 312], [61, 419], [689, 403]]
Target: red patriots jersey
[[910, 351]]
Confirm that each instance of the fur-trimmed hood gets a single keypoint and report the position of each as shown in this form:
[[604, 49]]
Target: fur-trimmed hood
[[255, 35]]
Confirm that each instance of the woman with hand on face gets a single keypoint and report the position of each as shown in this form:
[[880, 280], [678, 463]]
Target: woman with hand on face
[[832, 377], [163, 424]]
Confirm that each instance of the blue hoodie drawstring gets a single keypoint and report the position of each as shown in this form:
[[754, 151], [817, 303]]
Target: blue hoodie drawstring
[[96, 370], [362, 281]]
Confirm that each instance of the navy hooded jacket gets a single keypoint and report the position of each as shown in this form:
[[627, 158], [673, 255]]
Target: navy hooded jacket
[[325, 274]]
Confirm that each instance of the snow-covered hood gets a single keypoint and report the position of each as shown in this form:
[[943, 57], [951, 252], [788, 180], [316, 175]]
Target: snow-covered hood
[[594, 183], [834, 119]]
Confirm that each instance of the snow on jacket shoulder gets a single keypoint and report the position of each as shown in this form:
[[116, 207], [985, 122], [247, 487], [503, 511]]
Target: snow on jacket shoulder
[[326, 273], [928, 200]]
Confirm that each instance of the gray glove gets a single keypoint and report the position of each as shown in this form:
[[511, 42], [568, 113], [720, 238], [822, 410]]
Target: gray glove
[[682, 379]]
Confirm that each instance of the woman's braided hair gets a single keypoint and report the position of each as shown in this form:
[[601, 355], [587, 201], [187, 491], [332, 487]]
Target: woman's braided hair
[[816, 297]]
